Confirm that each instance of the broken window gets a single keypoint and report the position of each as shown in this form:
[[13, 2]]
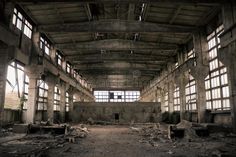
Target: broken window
[[44, 45], [216, 83], [22, 23], [116, 96], [176, 99], [190, 93], [16, 87], [42, 99], [57, 98]]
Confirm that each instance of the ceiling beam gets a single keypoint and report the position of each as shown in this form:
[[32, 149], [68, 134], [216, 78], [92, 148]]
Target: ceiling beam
[[118, 66], [176, 13], [116, 44], [88, 11], [96, 73], [116, 57], [116, 26], [213, 2]]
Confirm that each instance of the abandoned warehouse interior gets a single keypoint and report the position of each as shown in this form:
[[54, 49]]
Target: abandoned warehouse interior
[[118, 78]]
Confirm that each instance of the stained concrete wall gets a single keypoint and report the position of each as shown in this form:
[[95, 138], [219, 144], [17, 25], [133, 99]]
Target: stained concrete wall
[[10, 116], [140, 112]]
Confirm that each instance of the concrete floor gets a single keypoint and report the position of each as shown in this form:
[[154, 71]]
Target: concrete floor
[[119, 141]]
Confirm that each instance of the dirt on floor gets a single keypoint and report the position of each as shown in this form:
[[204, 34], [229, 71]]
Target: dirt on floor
[[120, 141]]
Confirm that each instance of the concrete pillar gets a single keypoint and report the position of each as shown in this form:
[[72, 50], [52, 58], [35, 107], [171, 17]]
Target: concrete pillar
[[200, 72], [32, 98], [3, 76], [181, 81], [227, 53], [171, 96], [63, 102], [51, 84], [53, 54], [8, 12]]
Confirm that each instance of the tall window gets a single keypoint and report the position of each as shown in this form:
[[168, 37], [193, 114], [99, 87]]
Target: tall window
[[44, 45], [25, 91], [42, 95], [57, 98], [166, 103], [75, 74], [22, 23], [176, 99], [190, 92], [67, 101], [16, 86], [216, 83], [68, 68], [59, 58], [116, 96]]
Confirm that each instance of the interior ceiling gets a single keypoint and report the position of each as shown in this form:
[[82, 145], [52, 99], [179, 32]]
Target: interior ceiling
[[108, 44]]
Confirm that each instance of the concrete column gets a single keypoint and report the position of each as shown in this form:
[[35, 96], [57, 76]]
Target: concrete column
[[200, 72], [8, 12], [181, 82], [63, 102], [50, 112], [171, 96], [53, 54], [32, 100], [162, 95], [227, 53], [3, 76]]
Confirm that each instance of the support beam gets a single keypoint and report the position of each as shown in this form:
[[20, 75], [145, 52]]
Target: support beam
[[116, 44], [200, 72], [116, 57], [176, 13], [118, 65], [116, 26], [50, 112], [63, 102]]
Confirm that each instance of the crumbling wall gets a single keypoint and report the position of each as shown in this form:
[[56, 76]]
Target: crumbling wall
[[141, 112]]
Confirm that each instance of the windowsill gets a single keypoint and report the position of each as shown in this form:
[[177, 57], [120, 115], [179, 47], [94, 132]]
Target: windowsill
[[220, 111]]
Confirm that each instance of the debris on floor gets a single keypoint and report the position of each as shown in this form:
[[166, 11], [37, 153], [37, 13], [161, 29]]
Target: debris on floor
[[152, 134], [41, 138], [76, 132]]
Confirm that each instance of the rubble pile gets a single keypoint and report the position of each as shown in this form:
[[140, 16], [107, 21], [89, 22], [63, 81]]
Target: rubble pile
[[76, 132], [153, 134]]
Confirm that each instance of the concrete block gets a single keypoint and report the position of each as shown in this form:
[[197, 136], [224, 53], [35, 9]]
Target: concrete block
[[20, 128]]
